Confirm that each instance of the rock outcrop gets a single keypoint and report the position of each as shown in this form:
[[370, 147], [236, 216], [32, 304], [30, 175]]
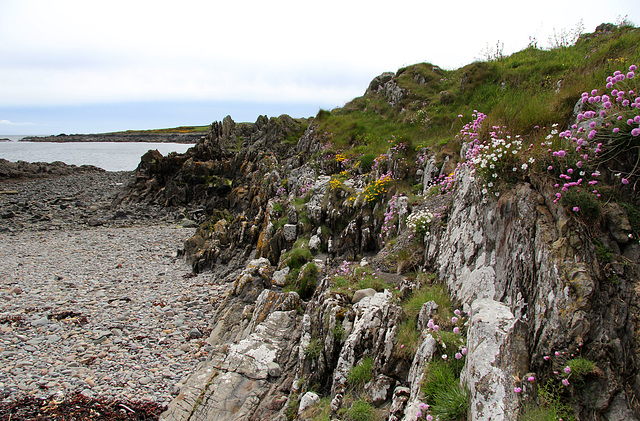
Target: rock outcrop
[[280, 230]]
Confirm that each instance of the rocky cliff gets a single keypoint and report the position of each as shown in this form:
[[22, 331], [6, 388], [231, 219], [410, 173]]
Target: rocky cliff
[[405, 287]]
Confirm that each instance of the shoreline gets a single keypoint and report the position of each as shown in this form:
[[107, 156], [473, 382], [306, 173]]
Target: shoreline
[[137, 137], [95, 300]]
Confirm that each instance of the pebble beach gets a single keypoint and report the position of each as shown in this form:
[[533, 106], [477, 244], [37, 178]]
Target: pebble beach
[[93, 302]]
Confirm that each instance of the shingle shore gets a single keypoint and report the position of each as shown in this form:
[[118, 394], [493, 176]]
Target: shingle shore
[[108, 311]]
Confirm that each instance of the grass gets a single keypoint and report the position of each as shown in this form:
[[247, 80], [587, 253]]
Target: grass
[[549, 406], [360, 374], [426, 293], [531, 87], [360, 410]]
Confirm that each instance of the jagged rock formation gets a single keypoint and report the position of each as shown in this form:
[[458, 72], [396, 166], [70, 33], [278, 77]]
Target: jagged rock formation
[[526, 273]]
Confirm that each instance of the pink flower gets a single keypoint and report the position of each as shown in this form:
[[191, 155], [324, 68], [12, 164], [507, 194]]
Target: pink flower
[[444, 357], [464, 351], [616, 129], [567, 369], [419, 414], [456, 330], [458, 355], [517, 389], [429, 418], [565, 382], [635, 132], [550, 167], [454, 319], [456, 312], [576, 209], [625, 181], [547, 358]]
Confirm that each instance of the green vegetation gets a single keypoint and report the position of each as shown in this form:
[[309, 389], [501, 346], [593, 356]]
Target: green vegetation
[[314, 349], [181, 129], [360, 374], [549, 406], [580, 368], [360, 410]]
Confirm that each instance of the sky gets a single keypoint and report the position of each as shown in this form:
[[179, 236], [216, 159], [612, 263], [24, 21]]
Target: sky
[[78, 66]]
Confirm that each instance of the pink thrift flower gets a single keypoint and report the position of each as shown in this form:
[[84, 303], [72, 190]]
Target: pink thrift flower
[[565, 382], [456, 312], [576, 209], [419, 414], [531, 379], [616, 129], [429, 418], [444, 357], [464, 351], [517, 389], [547, 358], [567, 369], [635, 132], [454, 319], [625, 181], [458, 355], [456, 330]]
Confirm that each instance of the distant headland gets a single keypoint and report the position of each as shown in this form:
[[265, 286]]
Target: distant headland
[[183, 134]]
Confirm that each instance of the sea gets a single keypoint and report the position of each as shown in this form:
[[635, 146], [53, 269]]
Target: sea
[[110, 156]]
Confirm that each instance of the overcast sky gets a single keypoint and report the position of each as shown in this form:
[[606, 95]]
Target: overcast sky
[[90, 66]]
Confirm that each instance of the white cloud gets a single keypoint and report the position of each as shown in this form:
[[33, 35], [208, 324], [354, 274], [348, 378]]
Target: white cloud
[[78, 51], [11, 123]]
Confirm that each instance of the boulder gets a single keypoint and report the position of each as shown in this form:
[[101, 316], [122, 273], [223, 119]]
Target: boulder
[[361, 293], [290, 232], [307, 400]]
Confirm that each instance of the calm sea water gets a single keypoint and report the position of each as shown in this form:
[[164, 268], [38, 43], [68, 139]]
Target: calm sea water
[[111, 156]]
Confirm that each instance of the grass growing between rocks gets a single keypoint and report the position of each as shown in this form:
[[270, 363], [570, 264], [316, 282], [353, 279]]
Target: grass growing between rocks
[[409, 337]]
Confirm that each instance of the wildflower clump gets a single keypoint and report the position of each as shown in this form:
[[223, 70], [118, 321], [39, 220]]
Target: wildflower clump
[[419, 222], [376, 189]]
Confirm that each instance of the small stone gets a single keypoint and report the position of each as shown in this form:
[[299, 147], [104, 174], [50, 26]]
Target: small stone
[[195, 334], [144, 380]]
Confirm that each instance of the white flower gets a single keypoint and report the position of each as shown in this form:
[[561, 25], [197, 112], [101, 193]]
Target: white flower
[[525, 166], [531, 160]]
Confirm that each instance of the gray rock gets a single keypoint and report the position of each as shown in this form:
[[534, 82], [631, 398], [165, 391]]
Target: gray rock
[[496, 357], [315, 243], [279, 277], [195, 334], [290, 232], [380, 389], [361, 293], [308, 399], [428, 310]]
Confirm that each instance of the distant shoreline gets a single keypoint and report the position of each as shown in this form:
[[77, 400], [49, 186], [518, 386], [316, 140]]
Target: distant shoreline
[[143, 137]]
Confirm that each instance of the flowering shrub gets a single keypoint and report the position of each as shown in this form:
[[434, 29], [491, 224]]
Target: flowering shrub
[[419, 222], [377, 188], [390, 218]]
